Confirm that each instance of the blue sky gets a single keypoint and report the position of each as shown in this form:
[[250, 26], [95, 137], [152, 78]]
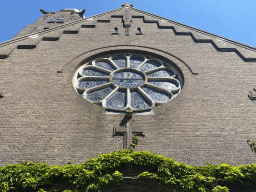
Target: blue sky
[[231, 19]]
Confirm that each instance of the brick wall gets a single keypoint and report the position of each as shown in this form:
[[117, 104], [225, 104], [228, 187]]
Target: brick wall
[[44, 119]]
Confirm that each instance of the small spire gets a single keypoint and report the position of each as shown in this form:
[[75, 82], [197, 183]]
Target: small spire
[[126, 5]]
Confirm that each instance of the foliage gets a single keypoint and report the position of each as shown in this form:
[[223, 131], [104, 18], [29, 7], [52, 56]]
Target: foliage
[[135, 141], [220, 189], [252, 145], [95, 174]]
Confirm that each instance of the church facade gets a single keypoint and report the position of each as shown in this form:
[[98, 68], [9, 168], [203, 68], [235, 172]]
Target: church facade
[[73, 88]]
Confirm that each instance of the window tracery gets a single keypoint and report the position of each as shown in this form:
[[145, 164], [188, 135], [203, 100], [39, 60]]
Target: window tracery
[[128, 81]]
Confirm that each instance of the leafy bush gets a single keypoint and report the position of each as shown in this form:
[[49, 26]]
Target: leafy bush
[[95, 174]]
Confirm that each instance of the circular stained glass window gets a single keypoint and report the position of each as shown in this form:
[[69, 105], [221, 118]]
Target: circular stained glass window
[[128, 81]]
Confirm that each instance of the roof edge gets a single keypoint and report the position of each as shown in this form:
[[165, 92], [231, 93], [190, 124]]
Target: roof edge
[[14, 40], [137, 10], [198, 30]]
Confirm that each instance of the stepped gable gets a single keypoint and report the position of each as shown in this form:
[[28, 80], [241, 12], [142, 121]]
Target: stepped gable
[[83, 87], [32, 35]]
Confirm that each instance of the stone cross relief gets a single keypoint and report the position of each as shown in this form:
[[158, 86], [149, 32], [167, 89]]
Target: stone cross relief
[[127, 18], [127, 131]]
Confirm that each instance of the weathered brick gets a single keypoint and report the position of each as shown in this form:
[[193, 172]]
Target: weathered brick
[[44, 119]]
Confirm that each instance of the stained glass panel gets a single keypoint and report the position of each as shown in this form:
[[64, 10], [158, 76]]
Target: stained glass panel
[[105, 64], [100, 94], [168, 85], [135, 61], [128, 79], [150, 65], [149, 83], [156, 95], [118, 100], [94, 72], [86, 84], [138, 101], [121, 62], [161, 73]]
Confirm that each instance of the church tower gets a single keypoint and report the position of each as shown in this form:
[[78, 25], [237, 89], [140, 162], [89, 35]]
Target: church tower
[[52, 19]]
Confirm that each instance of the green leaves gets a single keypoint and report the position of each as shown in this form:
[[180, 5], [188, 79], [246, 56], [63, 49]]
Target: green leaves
[[135, 141], [220, 189], [252, 145], [117, 176], [107, 169]]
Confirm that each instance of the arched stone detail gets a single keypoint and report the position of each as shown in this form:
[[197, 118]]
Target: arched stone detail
[[128, 81], [71, 67], [89, 55]]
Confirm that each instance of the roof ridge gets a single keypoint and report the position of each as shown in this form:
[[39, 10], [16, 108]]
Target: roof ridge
[[198, 30]]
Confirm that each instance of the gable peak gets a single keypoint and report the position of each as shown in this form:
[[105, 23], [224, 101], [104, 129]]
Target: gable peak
[[127, 5]]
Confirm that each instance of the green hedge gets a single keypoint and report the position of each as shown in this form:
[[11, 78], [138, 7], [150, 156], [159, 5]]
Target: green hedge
[[94, 174]]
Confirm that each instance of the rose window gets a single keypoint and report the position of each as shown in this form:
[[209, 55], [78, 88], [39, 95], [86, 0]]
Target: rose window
[[128, 82]]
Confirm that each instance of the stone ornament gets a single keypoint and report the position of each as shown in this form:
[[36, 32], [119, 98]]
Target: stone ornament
[[131, 82]]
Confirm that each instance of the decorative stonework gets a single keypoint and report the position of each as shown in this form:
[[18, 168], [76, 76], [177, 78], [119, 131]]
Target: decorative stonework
[[128, 78], [127, 81], [127, 21], [127, 5]]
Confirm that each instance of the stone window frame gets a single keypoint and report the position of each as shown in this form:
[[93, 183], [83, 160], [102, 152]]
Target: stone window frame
[[92, 65]]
